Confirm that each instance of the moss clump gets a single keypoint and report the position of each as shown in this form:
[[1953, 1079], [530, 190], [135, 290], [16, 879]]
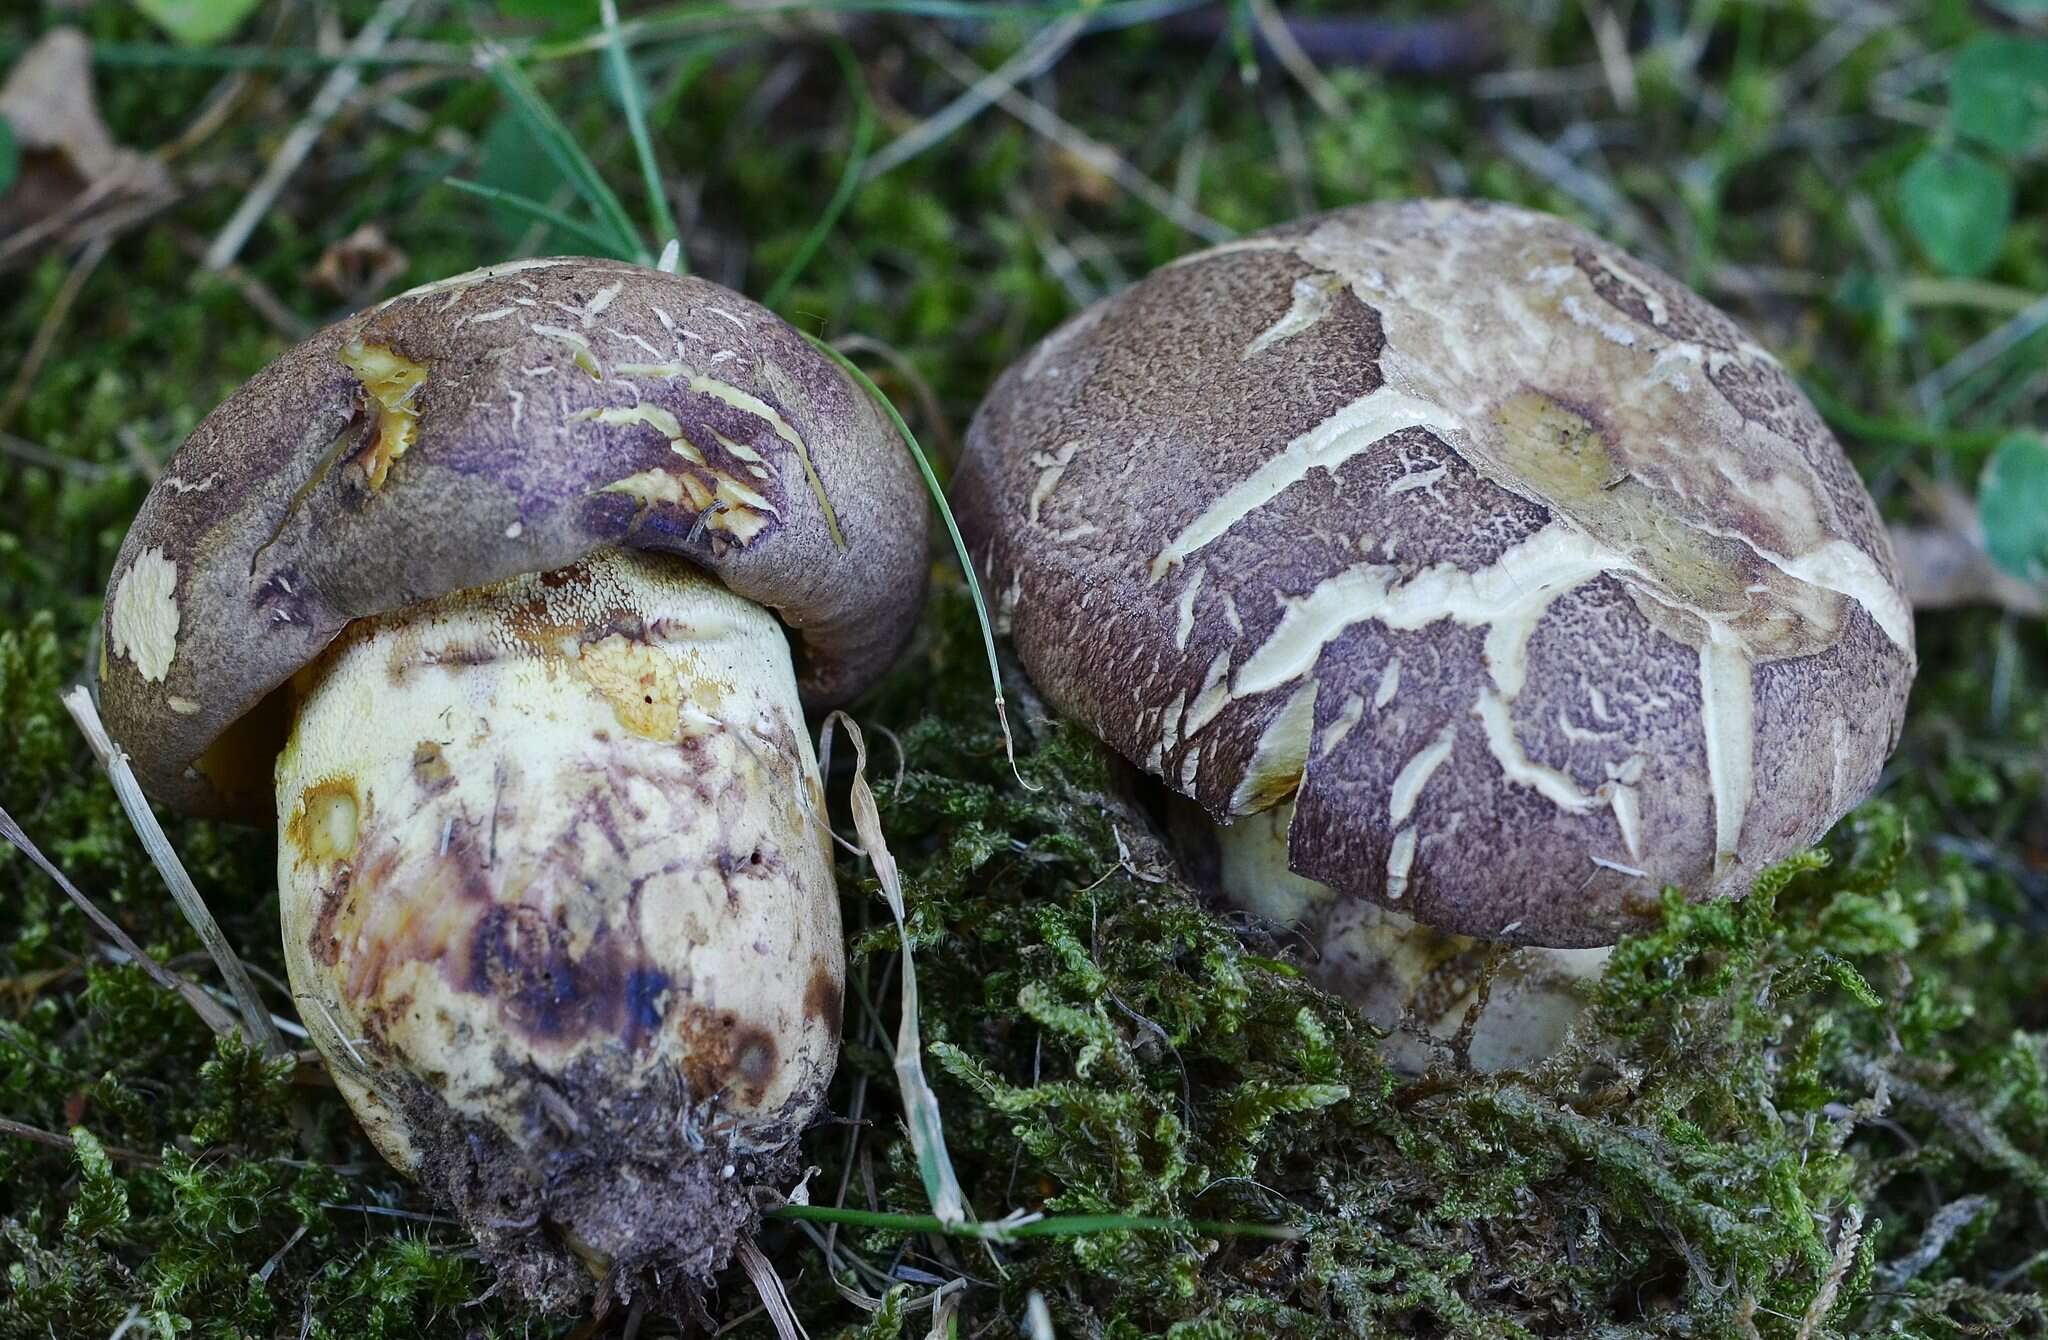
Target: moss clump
[[1757, 1148]]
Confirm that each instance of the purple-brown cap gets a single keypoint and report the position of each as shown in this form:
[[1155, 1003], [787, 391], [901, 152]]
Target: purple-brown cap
[[505, 421], [1527, 577]]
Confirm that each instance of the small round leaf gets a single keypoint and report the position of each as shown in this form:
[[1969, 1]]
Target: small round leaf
[[1998, 92], [2012, 503], [1957, 206], [198, 23]]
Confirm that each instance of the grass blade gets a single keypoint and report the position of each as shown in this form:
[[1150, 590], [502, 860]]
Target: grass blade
[[655, 26], [1037, 56], [569, 159], [255, 1018], [849, 177], [938, 492], [1847, 419], [633, 102], [529, 206], [1020, 1228], [920, 1104]]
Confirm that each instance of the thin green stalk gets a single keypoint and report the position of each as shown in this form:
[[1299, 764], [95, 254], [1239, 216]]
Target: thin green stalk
[[162, 56], [534, 208], [1242, 25], [1016, 1230], [849, 177], [691, 17], [1848, 419], [569, 158], [632, 102], [693, 61], [938, 492], [681, 20]]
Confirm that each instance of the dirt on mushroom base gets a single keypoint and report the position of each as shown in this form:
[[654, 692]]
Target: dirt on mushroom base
[[697, 1168]]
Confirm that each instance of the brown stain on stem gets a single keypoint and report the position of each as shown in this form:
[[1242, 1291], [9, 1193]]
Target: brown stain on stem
[[724, 1054], [823, 999], [326, 825], [430, 768]]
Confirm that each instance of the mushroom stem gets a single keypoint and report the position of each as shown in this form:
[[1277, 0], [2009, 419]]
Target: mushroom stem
[[1414, 982], [558, 909]]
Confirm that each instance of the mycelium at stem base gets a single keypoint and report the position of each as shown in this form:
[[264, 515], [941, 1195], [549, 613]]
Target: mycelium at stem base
[[558, 909]]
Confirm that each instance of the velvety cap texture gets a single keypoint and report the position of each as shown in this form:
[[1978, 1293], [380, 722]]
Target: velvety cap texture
[[506, 421], [1533, 581]]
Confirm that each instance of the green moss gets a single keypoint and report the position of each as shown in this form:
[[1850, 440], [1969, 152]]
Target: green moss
[[1825, 1111], [1783, 1066]]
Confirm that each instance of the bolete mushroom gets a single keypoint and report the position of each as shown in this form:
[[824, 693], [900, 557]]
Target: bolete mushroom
[[476, 594], [1476, 580]]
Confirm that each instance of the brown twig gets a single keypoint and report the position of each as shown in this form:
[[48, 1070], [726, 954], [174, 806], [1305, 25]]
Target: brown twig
[[1278, 36], [76, 217], [1456, 43], [299, 141], [1085, 147], [983, 88], [37, 1135], [29, 453], [254, 291]]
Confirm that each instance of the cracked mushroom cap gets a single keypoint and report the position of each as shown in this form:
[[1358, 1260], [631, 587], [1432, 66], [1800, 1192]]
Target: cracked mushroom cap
[[506, 421], [1526, 577]]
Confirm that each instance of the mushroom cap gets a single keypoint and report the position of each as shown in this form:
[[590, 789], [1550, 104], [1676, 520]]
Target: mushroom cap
[[1531, 579], [505, 421]]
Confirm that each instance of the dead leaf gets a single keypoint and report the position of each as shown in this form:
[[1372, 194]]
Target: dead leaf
[[1077, 178], [359, 266], [70, 164]]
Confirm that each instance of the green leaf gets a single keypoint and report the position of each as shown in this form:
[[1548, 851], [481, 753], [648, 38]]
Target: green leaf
[[514, 164], [1957, 207], [569, 159], [631, 95], [2012, 502], [1998, 92], [198, 23], [10, 156]]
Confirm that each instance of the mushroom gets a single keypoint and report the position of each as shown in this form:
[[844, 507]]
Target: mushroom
[[1475, 579], [476, 594]]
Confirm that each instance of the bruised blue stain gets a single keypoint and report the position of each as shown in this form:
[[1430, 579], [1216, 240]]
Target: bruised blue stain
[[644, 990]]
